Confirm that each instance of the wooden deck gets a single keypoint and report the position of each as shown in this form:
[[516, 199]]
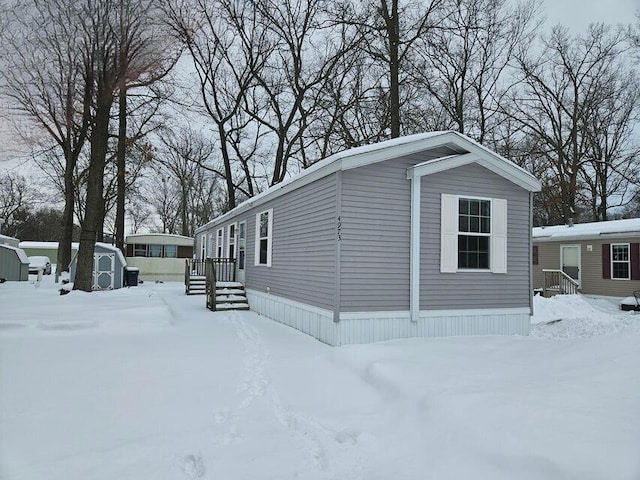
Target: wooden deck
[[215, 278]]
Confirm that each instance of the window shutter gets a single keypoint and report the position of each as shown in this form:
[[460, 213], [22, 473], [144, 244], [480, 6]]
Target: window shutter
[[448, 233], [634, 256], [535, 255], [498, 235], [606, 261]]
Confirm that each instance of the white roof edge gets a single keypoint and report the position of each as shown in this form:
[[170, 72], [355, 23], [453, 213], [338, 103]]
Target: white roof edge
[[369, 154], [588, 231], [172, 235], [19, 252]]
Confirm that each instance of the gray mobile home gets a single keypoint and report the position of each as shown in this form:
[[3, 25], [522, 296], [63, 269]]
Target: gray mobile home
[[14, 264], [108, 267], [603, 258], [424, 235]]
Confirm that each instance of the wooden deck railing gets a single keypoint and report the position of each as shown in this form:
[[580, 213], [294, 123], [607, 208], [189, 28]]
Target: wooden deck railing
[[556, 281], [213, 269]]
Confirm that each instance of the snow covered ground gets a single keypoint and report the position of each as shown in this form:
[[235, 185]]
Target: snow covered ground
[[145, 383]]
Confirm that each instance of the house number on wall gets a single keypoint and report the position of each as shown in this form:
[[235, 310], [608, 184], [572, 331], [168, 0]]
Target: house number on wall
[[339, 228]]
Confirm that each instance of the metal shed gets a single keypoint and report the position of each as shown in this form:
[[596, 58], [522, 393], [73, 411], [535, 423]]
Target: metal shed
[[108, 267], [14, 264]]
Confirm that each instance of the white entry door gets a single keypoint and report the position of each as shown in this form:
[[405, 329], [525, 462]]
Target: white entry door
[[103, 271], [570, 261], [242, 248]]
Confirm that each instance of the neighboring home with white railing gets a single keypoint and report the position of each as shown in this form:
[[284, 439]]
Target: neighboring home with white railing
[[602, 257]]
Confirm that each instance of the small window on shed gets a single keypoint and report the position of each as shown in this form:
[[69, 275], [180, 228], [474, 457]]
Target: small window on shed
[[171, 251]]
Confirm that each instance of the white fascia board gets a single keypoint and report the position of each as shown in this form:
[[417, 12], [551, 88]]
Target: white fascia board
[[585, 238], [394, 148], [499, 166]]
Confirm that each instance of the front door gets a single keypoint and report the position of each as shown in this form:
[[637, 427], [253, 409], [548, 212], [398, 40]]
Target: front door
[[242, 247], [570, 261]]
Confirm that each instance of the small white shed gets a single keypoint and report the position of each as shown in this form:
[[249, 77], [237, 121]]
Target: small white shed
[[14, 264], [108, 267]]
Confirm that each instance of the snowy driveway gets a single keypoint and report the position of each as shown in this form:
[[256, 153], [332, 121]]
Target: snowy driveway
[[145, 383]]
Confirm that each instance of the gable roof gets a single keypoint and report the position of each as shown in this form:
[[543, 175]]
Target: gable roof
[[19, 252], [387, 150], [593, 230]]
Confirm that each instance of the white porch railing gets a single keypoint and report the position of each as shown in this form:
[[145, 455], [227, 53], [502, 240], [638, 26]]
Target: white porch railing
[[558, 282]]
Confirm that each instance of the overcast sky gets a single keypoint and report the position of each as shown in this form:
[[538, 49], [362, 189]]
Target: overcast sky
[[578, 14]]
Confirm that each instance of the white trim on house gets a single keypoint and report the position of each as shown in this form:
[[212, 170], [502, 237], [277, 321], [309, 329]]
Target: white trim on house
[[414, 247], [232, 240], [219, 251], [268, 238], [628, 261], [579, 247], [377, 326], [379, 152]]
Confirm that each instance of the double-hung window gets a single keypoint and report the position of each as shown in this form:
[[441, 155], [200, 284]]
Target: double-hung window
[[264, 238], [474, 233], [620, 261]]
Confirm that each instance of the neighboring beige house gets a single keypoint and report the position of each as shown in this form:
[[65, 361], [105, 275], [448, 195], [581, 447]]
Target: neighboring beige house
[[603, 257], [159, 256]]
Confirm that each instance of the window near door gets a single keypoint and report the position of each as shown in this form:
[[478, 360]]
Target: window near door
[[219, 245], [242, 234], [474, 233], [231, 241], [620, 264], [264, 238]]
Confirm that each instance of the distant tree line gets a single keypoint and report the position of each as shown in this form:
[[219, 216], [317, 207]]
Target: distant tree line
[[170, 112]]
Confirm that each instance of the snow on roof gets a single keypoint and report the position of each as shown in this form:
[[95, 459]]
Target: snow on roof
[[113, 248], [375, 152], [171, 235], [52, 245], [21, 255], [588, 230], [6, 237]]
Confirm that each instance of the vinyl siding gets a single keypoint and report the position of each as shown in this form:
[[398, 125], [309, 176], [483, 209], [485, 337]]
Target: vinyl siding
[[592, 282], [11, 267], [375, 218], [304, 240], [471, 290]]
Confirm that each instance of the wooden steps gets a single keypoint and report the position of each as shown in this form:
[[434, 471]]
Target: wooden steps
[[230, 296], [197, 285]]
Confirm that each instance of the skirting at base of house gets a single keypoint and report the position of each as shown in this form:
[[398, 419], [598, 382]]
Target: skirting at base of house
[[367, 327]]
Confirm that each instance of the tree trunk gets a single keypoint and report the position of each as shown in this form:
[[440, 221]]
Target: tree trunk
[[95, 203], [393, 31], [64, 244], [121, 168]]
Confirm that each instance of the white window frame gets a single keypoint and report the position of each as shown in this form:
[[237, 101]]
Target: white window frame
[[269, 238], [210, 248], [232, 240], [474, 234], [219, 252], [242, 225], [449, 224], [628, 261], [203, 246]]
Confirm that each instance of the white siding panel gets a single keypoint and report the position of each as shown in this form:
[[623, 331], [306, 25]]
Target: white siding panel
[[369, 327]]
